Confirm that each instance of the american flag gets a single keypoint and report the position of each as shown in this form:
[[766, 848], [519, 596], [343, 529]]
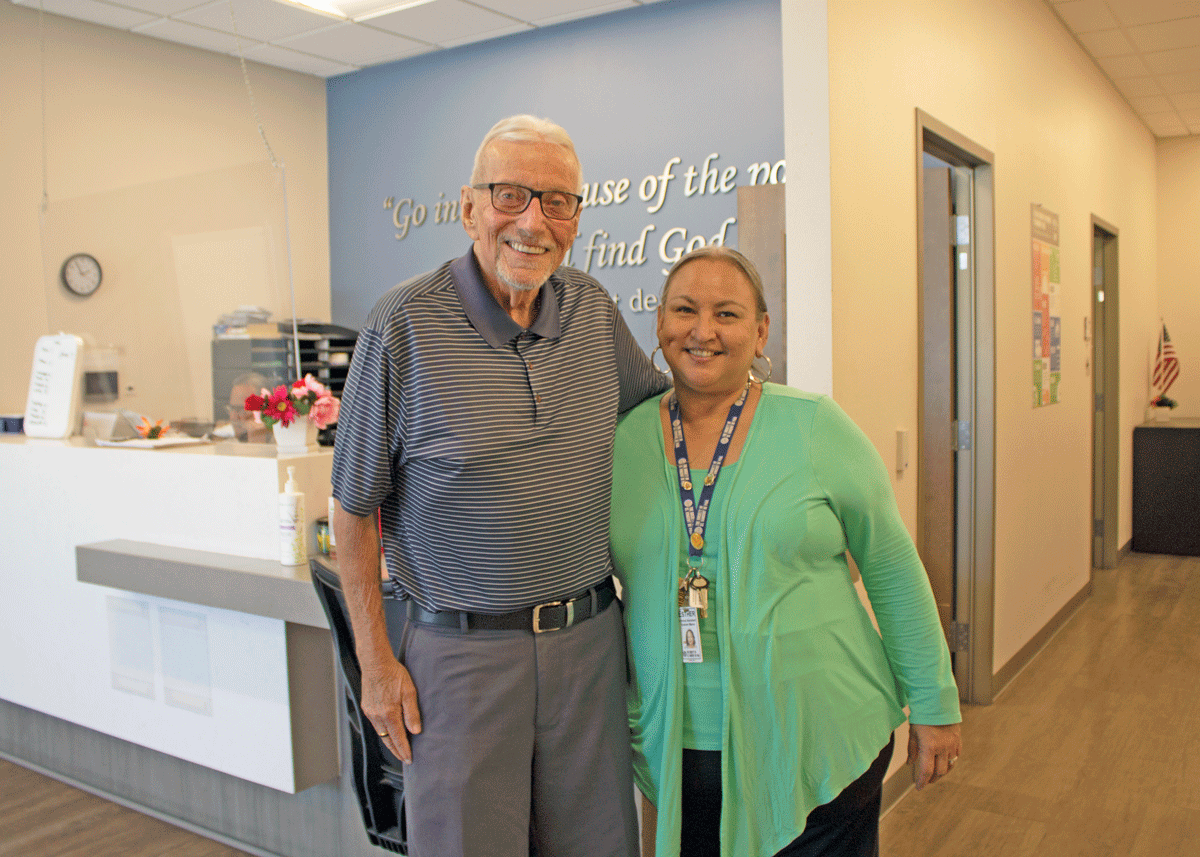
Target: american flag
[[1166, 364]]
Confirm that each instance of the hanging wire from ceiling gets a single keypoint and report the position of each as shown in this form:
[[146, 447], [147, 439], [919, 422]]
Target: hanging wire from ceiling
[[287, 229], [42, 51]]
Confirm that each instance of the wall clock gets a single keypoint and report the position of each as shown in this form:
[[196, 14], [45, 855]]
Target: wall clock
[[81, 274]]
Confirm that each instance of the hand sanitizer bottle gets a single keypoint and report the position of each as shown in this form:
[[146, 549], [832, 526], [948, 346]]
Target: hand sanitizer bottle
[[292, 523]]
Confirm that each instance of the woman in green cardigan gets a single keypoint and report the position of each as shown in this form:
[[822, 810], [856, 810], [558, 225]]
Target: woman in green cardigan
[[763, 700]]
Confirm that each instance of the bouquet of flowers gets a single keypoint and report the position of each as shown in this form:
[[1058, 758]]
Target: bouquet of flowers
[[1162, 400], [304, 398]]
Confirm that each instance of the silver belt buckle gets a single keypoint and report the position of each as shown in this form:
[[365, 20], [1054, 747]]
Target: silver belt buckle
[[537, 616]]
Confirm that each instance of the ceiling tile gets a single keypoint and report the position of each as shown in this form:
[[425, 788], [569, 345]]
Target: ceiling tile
[[197, 37], [94, 11], [1184, 81], [1186, 101], [262, 20], [1085, 16], [1152, 104], [536, 10], [1138, 87], [584, 13], [1133, 12], [296, 61], [1119, 68], [441, 22], [1165, 125], [163, 8], [1107, 43], [1166, 35], [1180, 59], [514, 27], [356, 44]]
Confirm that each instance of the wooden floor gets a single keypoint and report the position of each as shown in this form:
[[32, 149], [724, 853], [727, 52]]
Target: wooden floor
[[41, 817], [1094, 749]]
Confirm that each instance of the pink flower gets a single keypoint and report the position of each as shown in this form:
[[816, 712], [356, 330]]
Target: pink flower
[[324, 411], [313, 385]]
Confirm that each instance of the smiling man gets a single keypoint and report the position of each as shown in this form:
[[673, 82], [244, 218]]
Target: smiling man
[[478, 420]]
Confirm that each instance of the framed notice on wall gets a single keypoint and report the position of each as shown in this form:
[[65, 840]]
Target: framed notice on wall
[[1047, 314]]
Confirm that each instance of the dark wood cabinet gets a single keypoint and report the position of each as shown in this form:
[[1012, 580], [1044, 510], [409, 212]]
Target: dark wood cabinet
[[1166, 487]]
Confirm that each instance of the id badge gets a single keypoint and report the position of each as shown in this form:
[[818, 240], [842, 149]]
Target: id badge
[[693, 592], [689, 629]]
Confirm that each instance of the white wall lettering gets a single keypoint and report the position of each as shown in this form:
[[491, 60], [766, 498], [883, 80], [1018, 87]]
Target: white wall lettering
[[675, 242]]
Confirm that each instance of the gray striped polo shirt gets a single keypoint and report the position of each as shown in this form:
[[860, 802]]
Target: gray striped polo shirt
[[488, 447]]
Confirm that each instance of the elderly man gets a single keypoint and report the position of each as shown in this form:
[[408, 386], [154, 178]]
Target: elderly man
[[478, 418]]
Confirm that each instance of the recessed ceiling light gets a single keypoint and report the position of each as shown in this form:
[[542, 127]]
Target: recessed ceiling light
[[355, 10]]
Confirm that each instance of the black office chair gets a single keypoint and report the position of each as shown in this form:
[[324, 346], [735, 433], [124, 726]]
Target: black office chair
[[378, 775]]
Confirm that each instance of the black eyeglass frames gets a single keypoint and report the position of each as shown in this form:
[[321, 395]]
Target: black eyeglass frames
[[515, 198]]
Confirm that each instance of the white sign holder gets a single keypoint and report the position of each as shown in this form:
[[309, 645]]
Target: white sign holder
[[52, 408]]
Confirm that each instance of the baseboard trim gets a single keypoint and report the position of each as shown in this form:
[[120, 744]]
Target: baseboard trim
[[1030, 650]]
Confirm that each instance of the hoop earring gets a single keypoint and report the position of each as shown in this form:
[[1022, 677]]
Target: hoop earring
[[657, 349], [770, 370]]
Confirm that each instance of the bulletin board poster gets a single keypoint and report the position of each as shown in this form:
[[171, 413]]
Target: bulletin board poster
[[1047, 312]]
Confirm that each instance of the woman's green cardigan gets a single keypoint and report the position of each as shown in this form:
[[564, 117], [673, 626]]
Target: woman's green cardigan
[[811, 690]]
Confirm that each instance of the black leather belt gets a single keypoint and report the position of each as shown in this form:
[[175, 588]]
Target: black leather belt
[[552, 616]]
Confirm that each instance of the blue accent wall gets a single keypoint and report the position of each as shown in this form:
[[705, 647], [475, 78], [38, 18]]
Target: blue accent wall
[[635, 89]]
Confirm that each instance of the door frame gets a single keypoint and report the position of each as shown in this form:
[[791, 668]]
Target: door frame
[[975, 492], [1106, 449]]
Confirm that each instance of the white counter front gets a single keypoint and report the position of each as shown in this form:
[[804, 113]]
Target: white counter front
[[219, 681]]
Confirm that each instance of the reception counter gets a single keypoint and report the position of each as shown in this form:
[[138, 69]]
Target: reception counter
[[158, 653]]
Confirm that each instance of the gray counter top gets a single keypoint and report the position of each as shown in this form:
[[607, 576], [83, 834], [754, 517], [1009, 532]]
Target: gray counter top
[[255, 586]]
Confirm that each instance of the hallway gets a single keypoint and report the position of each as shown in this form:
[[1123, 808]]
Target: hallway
[[1094, 749]]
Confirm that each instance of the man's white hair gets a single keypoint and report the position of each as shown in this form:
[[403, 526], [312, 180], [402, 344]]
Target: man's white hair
[[525, 128]]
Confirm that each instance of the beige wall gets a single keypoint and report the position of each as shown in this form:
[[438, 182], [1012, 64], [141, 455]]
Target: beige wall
[[1008, 77], [1179, 265], [126, 115]]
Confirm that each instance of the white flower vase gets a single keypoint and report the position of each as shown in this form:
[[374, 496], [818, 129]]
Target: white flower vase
[[297, 439]]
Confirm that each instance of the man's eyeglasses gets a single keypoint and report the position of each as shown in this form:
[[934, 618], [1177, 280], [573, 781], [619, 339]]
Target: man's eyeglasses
[[513, 199]]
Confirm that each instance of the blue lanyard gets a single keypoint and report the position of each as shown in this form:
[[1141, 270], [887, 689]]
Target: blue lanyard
[[695, 514]]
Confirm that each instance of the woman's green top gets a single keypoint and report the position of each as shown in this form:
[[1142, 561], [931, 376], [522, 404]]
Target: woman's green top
[[811, 691]]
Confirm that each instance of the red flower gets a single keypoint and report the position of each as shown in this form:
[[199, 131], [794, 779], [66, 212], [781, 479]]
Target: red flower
[[280, 407], [255, 402]]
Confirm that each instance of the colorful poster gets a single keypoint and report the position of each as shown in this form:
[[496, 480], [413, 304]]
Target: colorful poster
[[1047, 314]]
